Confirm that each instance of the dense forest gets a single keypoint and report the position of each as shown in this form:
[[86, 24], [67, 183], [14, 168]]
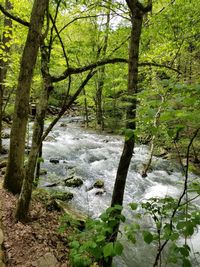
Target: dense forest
[[126, 68]]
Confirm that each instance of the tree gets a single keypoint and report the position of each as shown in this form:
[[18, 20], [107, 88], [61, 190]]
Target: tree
[[137, 12], [15, 168], [5, 42]]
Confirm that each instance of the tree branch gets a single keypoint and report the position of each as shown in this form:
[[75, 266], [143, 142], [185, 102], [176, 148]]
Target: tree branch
[[68, 105], [15, 18], [103, 62]]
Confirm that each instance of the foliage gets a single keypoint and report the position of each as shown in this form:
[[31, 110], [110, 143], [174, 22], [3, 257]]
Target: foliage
[[91, 245], [172, 223]]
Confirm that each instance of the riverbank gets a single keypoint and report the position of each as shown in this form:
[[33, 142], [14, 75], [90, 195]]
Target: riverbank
[[35, 244]]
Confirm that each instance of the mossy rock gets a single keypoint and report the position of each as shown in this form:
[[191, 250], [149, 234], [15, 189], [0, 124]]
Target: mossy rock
[[64, 196], [73, 181], [98, 184]]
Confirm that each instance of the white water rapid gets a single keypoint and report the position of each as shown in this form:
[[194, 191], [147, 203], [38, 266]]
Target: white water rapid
[[95, 156]]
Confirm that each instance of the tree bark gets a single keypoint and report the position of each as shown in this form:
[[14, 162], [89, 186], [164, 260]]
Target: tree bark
[[120, 182], [15, 168], [26, 192], [137, 12], [6, 38]]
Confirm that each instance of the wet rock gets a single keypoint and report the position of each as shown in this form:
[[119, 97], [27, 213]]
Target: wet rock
[[64, 196], [63, 124], [55, 161], [51, 184], [98, 184], [100, 192], [73, 181], [47, 260]]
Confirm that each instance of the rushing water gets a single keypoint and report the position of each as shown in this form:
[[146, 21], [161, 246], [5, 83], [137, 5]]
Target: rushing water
[[95, 156]]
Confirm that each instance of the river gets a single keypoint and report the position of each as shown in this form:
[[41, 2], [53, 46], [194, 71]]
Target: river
[[95, 156]]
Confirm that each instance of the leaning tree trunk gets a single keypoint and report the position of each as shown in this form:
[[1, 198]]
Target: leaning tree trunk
[[26, 192], [5, 40], [137, 12], [15, 168]]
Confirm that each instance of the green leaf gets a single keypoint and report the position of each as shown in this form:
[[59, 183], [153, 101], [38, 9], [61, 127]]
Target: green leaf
[[147, 236], [100, 238], [118, 248], [108, 250], [75, 244], [133, 206], [186, 263]]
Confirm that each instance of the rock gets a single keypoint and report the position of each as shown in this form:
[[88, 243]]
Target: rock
[[50, 184], [53, 206], [100, 192], [98, 184], [55, 161], [73, 213], [47, 260], [63, 124], [73, 181], [3, 164], [43, 172], [64, 196]]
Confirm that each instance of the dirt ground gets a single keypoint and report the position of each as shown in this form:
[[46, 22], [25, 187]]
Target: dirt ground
[[24, 244]]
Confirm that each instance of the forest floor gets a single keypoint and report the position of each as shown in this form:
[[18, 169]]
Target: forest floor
[[37, 243]]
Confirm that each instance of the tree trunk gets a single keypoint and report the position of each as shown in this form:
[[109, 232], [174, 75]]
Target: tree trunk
[[6, 38], [26, 192], [15, 168], [101, 74], [137, 12]]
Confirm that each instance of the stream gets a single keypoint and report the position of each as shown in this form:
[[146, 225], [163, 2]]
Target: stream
[[94, 156]]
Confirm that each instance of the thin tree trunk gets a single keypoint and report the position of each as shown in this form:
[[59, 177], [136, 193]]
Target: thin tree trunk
[[86, 109], [137, 12], [6, 38], [15, 168], [101, 74]]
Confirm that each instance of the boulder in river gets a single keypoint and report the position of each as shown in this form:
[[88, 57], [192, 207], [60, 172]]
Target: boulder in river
[[64, 196], [51, 184], [53, 160], [98, 184], [63, 124], [73, 181]]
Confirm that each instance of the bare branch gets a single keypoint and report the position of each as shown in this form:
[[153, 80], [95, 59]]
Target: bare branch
[[66, 106]]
